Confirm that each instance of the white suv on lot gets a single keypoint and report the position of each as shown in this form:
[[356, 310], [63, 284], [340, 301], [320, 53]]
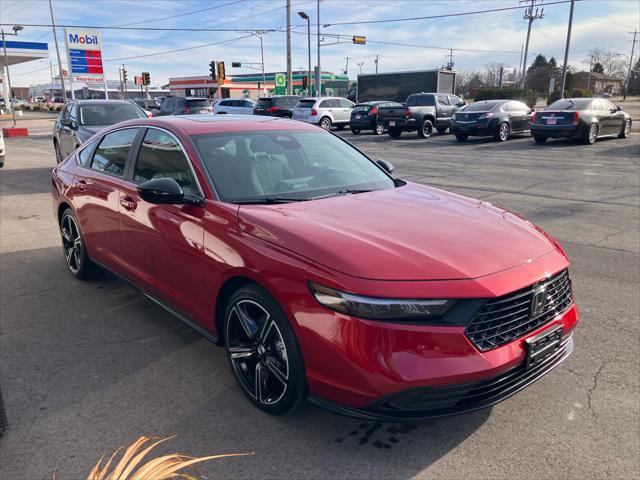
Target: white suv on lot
[[324, 111], [237, 106]]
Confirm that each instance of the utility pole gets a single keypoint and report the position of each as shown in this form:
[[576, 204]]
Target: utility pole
[[530, 16], [360, 64], [519, 77], [55, 38], [633, 44], [346, 67], [318, 68], [289, 74], [377, 59], [566, 49]]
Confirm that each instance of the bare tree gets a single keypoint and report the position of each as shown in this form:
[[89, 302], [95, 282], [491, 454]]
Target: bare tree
[[612, 63], [466, 79], [491, 74]]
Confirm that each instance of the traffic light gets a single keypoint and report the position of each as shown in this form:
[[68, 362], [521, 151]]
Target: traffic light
[[221, 74], [146, 78], [124, 76], [212, 70], [236, 64], [305, 82], [359, 40]]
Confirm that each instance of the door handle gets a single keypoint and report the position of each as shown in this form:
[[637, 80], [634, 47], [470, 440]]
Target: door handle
[[81, 185], [128, 203]]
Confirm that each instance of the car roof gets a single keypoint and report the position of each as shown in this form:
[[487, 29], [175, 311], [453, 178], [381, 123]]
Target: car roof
[[206, 123], [102, 102]]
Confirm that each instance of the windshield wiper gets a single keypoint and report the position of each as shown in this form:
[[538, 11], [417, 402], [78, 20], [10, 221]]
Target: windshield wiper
[[353, 191], [268, 200]]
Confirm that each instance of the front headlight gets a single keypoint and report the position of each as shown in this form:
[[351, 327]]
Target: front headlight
[[380, 308]]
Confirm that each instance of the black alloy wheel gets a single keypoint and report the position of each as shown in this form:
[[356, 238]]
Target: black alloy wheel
[[539, 139], [461, 138], [442, 130], [75, 253], [263, 352], [355, 131], [502, 135], [426, 129], [395, 133]]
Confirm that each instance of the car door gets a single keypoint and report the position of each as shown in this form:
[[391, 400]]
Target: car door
[[247, 107], [603, 115], [171, 235], [97, 190], [615, 117], [443, 110], [345, 108], [65, 132], [525, 113]]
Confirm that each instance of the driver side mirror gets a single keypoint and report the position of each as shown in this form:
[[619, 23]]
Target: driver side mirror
[[67, 122], [162, 191], [386, 166]]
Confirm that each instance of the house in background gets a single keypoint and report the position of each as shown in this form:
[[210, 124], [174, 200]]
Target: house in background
[[598, 83]]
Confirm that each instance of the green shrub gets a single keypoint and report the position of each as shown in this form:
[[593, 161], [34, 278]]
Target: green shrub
[[581, 93], [527, 96], [553, 96], [59, 108]]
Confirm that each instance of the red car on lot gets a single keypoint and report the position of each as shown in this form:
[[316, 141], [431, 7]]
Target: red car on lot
[[323, 276]]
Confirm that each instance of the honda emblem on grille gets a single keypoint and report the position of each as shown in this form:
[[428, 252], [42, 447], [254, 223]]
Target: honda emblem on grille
[[538, 301]]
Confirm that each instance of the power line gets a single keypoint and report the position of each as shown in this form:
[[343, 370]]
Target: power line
[[444, 15], [144, 29]]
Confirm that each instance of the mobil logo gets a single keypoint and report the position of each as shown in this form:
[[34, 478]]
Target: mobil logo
[[78, 39]]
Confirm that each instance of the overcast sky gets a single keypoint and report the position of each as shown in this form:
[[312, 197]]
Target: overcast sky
[[597, 23]]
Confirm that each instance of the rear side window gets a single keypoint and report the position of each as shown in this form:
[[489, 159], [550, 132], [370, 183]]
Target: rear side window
[[111, 155], [85, 154], [161, 156], [306, 103], [345, 103], [420, 101]]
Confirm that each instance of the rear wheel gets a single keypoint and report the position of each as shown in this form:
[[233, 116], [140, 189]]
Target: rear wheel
[[502, 135], [626, 129], [591, 135], [263, 352], [442, 130], [539, 139], [355, 131], [379, 130], [394, 133], [325, 123], [426, 129], [75, 253], [461, 138]]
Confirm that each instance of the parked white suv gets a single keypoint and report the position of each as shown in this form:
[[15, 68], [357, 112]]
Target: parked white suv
[[324, 111], [238, 106]]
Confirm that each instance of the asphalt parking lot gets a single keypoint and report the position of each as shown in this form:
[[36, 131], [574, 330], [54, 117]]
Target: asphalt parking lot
[[88, 367]]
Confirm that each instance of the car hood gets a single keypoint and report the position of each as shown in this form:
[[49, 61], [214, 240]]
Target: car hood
[[407, 233], [89, 130]]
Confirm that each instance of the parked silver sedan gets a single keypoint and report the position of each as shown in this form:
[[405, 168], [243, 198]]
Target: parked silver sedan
[[325, 111]]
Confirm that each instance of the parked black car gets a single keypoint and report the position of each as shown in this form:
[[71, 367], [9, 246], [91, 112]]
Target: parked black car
[[182, 106], [585, 119], [364, 116], [497, 118], [278, 106], [422, 112], [80, 119]]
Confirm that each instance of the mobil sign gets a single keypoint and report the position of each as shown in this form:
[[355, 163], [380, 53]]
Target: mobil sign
[[84, 48]]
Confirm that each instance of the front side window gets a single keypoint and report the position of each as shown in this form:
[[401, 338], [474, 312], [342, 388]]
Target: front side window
[[161, 156], [111, 155], [455, 100], [85, 154], [254, 166], [107, 114], [443, 100], [345, 103]]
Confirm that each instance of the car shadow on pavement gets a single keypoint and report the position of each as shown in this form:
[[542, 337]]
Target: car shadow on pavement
[[89, 366], [24, 181]]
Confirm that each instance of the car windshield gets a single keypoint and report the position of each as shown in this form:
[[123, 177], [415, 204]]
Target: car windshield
[[254, 167], [109, 114], [570, 104], [480, 107]]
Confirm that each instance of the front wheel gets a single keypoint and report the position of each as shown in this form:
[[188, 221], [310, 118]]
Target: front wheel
[[591, 136], [461, 138], [325, 123], [539, 139], [263, 352], [379, 130], [502, 135], [426, 129], [626, 129], [395, 133]]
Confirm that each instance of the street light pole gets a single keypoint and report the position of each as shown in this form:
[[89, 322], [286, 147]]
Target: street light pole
[[306, 17], [8, 101], [55, 38], [289, 73], [319, 72], [264, 81], [566, 50]]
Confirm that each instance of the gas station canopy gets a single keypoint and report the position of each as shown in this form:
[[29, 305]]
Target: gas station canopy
[[20, 52]]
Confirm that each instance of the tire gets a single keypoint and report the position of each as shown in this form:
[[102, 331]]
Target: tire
[[540, 140], [261, 345], [426, 129], [340, 127], [503, 132], [626, 129], [591, 135], [441, 130], [379, 130], [325, 122], [73, 247], [56, 148], [461, 138], [355, 131], [395, 133]]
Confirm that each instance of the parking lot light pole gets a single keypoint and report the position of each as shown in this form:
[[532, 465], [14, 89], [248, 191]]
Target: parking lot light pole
[[306, 17], [8, 100], [566, 50], [319, 71]]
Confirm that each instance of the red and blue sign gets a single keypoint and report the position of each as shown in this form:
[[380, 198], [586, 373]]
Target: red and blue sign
[[84, 47], [86, 61]]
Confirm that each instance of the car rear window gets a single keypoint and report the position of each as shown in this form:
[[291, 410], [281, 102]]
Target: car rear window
[[199, 103], [306, 103], [568, 104], [361, 108], [286, 101], [481, 107], [264, 103], [420, 101]]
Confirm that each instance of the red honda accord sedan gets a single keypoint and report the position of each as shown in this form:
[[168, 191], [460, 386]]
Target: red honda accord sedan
[[323, 276]]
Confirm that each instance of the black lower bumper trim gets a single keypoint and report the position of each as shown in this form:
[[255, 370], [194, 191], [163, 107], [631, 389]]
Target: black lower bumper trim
[[433, 402]]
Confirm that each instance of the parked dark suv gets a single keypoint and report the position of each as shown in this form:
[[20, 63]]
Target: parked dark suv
[[422, 112], [183, 106], [80, 119], [278, 106]]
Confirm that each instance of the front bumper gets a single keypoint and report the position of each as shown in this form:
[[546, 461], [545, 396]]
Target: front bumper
[[432, 402]]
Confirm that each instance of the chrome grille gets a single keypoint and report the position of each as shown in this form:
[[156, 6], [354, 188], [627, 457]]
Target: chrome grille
[[503, 319]]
